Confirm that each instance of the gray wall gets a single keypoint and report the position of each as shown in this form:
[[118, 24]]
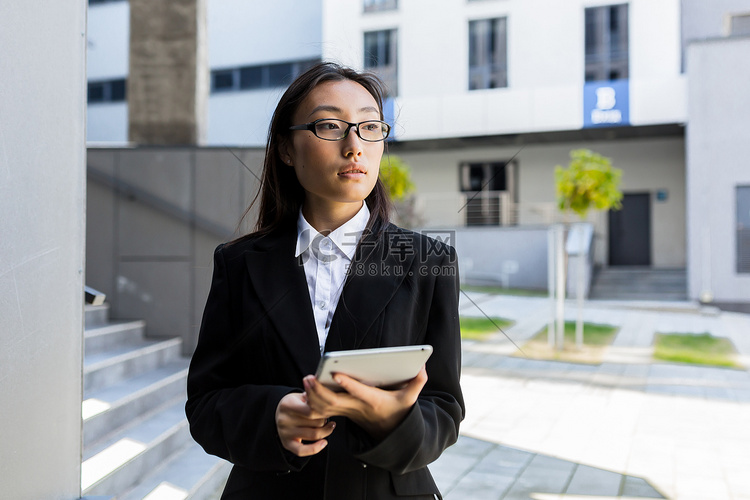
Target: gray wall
[[488, 256], [42, 192], [155, 216], [718, 151], [703, 20]]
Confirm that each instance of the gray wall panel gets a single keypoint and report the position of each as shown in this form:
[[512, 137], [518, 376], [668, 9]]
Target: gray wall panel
[[146, 231], [42, 223], [158, 292]]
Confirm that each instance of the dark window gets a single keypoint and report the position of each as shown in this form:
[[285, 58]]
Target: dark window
[[606, 43], [258, 77], [743, 229], [488, 54], [117, 90], [280, 75], [223, 80], [251, 77], [378, 5], [106, 91], [381, 57], [486, 186], [96, 92]]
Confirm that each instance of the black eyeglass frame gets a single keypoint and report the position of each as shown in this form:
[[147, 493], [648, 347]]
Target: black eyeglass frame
[[311, 127]]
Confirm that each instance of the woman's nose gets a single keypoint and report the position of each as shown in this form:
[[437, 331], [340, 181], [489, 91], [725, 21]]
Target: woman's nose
[[352, 144]]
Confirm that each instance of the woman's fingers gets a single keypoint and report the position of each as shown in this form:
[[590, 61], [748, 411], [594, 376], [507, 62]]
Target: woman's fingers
[[301, 430], [414, 387]]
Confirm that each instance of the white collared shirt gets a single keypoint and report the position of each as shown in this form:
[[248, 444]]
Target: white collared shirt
[[326, 260]]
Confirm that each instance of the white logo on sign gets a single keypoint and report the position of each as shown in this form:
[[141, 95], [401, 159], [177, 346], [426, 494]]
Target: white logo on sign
[[605, 98], [605, 101]]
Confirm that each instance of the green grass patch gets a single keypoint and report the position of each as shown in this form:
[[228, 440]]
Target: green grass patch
[[482, 328], [498, 290], [596, 339], [697, 349], [593, 334]]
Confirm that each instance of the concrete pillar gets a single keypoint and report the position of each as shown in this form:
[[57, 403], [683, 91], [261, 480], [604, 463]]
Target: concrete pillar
[[42, 219], [168, 77]]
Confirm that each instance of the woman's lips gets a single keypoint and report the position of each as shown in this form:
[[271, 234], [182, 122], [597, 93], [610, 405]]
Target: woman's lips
[[353, 172]]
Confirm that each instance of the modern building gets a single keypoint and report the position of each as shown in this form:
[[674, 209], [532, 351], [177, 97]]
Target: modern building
[[488, 96]]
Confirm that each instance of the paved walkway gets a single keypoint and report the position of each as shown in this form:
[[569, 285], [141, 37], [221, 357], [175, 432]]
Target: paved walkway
[[628, 428]]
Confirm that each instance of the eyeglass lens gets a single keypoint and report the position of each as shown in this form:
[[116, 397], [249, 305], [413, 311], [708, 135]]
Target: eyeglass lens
[[373, 130]]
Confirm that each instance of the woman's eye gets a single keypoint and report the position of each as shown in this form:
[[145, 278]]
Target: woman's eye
[[372, 126], [329, 125]]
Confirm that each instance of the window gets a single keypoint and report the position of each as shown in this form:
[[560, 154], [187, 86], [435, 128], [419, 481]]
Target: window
[[743, 229], [739, 25], [490, 192], [378, 5], [107, 91], [488, 54], [606, 43], [380, 57], [258, 77]]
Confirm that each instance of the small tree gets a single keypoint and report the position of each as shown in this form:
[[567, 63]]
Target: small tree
[[589, 182], [396, 176]]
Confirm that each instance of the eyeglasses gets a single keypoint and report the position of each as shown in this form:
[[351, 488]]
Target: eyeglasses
[[330, 129]]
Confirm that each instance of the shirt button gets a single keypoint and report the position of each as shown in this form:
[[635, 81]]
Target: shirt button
[[322, 304], [326, 243]]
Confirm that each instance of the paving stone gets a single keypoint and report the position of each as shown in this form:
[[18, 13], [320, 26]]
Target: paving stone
[[543, 475], [478, 485], [592, 481], [637, 487], [505, 461]]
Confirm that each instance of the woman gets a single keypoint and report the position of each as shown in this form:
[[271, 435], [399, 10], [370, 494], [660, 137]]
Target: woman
[[325, 271]]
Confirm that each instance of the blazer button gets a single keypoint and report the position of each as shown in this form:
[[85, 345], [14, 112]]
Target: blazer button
[[364, 466]]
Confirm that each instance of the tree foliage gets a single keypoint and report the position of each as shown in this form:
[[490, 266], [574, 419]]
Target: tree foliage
[[590, 181], [396, 175]]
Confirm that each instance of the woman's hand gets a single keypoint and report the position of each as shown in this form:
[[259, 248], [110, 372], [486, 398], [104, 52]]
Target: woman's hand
[[377, 411], [301, 430]]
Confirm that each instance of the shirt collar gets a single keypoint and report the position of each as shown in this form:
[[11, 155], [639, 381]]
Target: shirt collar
[[346, 237]]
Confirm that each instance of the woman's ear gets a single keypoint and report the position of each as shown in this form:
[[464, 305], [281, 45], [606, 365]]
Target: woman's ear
[[284, 152]]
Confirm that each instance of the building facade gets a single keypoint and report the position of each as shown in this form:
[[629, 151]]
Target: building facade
[[487, 97]]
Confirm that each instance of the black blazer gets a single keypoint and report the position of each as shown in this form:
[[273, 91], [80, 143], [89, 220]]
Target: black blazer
[[258, 340]]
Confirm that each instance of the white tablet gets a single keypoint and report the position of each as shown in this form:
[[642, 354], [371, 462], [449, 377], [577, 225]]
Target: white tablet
[[384, 367]]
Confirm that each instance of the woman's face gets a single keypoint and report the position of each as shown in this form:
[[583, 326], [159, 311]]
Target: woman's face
[[333, 173]]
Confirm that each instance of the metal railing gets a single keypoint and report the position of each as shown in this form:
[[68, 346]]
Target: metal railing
[[481, 208]]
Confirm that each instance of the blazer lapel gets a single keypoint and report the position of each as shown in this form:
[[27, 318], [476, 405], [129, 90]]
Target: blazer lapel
[[279, 280], [378, 269]]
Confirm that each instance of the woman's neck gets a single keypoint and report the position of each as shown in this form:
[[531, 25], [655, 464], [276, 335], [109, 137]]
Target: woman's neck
[[329, 217]]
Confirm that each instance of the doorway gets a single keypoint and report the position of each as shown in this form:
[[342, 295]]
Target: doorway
[[630, 231]]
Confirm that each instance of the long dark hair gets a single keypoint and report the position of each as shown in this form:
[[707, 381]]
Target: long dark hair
[[281, 194]]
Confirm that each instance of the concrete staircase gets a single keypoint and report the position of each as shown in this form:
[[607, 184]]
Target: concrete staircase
[[136, 443], [639, 283]]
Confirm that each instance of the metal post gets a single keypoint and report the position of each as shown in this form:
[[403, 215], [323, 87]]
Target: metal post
[[560, 268], [551, 248], [582, 254]]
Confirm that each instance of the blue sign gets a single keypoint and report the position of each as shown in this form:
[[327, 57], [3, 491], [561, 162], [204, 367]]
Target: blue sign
[[389, 116], [606, 104]]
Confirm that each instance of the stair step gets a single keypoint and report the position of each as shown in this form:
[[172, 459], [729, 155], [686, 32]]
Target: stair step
[[112, 335], [122, 459], [640, 283], [108, 368], [114, 406], [95, 316], [191, 474]]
